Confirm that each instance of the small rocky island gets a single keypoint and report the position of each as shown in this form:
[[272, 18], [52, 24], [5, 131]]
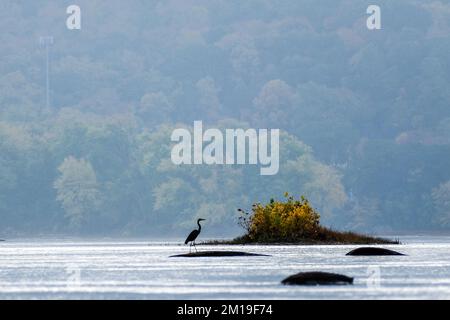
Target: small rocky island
[[292, 222]]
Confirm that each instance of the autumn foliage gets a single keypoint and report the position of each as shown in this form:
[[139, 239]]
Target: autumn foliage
[[288, 220], [292, 221]]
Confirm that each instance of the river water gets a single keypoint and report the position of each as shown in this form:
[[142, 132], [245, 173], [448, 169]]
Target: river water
[[51, 269]]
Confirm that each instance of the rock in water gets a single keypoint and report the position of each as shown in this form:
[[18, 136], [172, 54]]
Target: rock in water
[[317, 278], [218, 254], [370, 251]]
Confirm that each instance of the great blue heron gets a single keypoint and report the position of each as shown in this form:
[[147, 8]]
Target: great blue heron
[[193, 235]]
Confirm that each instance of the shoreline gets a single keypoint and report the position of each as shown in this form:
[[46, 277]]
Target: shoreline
[[324, 237], [299, 243]]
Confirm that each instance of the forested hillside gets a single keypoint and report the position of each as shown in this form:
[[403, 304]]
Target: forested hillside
[[364, 114]]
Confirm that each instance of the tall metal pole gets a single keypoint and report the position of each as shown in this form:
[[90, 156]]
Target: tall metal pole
[[46, 42], [47, 79]]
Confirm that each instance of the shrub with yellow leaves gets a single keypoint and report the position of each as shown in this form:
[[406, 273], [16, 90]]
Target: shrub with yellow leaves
[[290, 220]]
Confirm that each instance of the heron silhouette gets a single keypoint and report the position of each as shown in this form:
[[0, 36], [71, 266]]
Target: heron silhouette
[[193, 235]]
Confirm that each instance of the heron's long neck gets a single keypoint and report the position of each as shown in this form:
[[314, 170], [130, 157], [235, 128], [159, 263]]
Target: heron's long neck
[[199, 226]]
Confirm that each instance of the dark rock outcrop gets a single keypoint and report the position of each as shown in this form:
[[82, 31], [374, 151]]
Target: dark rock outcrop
[[218, 254], [371, 251], [317, 278]]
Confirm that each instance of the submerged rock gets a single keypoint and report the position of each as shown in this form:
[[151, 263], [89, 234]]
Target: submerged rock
[[218, 254], [371, 251], [317, 278]]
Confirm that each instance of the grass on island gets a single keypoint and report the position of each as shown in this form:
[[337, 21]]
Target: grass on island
[[292, 222]]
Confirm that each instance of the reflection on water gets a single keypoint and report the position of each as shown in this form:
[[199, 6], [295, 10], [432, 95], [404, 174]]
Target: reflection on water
[[143, 270]]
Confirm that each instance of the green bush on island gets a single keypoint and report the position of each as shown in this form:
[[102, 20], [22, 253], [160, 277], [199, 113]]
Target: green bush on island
[[292, 221]]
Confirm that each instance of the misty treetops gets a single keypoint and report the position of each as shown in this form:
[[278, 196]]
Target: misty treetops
[[363, 114]]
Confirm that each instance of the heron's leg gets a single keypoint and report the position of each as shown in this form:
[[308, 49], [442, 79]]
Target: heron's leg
[[195, 247], [190, 247]]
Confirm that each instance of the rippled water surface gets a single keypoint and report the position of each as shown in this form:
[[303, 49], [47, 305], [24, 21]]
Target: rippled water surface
[[143, 270]]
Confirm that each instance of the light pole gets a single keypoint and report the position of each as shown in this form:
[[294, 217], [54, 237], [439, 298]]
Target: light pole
[[46, 42]]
